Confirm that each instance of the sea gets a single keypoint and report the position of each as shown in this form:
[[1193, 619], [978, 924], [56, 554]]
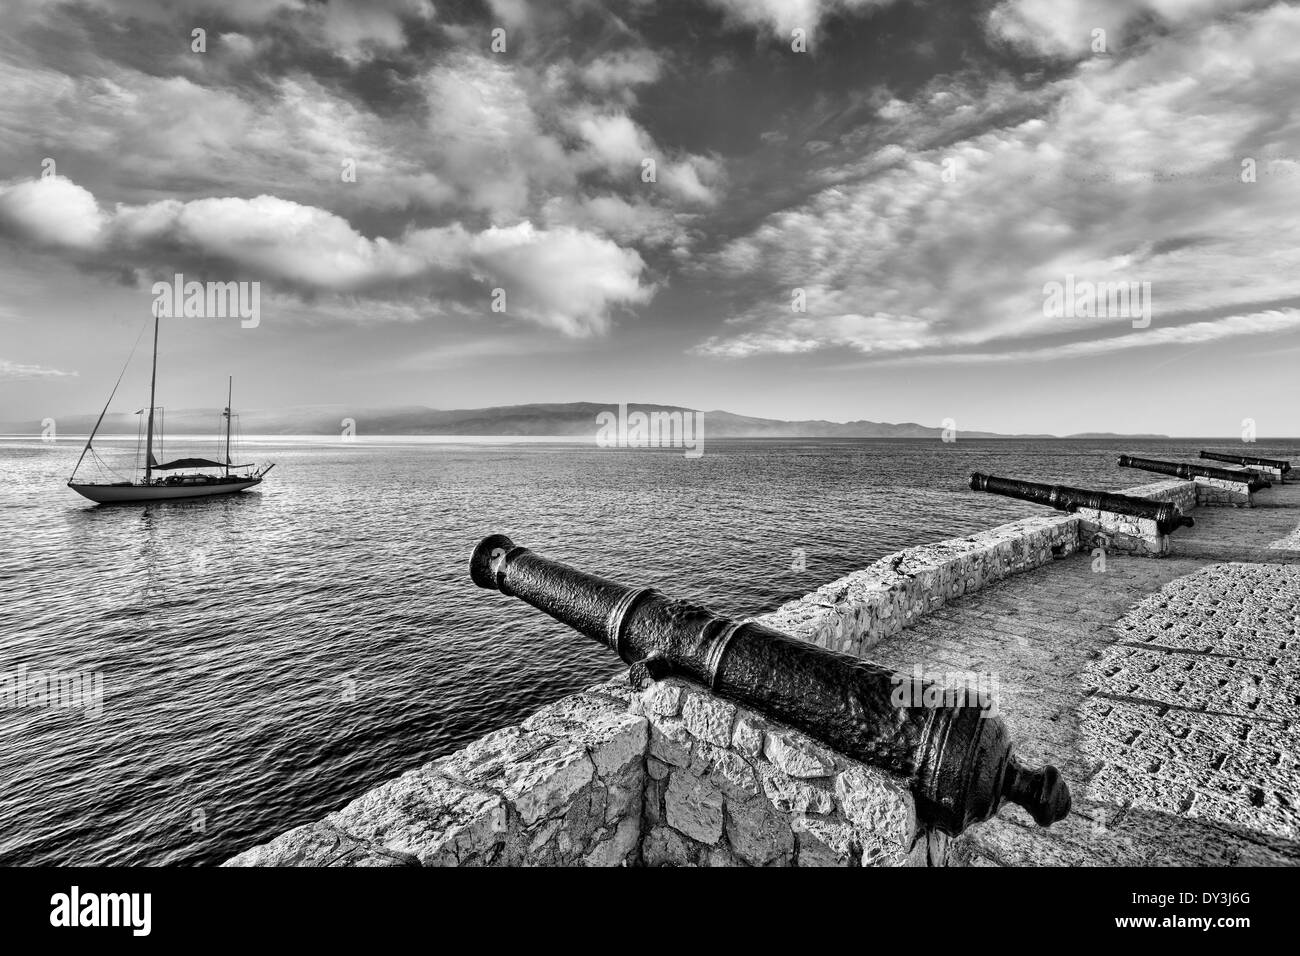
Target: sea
[[262, 659]]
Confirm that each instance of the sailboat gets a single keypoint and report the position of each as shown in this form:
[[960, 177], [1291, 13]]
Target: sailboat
[[191, 480]]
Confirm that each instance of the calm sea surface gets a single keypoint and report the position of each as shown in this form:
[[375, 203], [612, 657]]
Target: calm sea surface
[[269, 656]]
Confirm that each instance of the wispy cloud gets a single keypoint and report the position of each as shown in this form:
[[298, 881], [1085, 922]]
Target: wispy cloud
[[18, 371], [1128, 171], [1193, 333]]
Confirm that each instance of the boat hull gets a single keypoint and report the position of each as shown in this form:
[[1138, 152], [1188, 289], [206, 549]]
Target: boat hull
[[128, 494]]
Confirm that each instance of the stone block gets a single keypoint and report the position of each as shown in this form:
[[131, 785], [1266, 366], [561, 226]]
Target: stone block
[[709, 718], [663, 698], [619, 847], [427, 816], [693, 806], [544, 784], [759, 834], [728, 771], [612, 736], [664, 846], [824, 843], [747, 738], [875, 801], [796, 796], [670, 741], [796, 755]]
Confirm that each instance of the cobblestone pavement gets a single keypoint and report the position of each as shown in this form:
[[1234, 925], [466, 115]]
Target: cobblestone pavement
[[1166, 690]]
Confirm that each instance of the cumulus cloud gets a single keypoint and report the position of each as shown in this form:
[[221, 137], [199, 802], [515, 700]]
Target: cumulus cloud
[[616, 142], [620, 146], [1130, 171], [52, 211], [568, 279], [563, 278]]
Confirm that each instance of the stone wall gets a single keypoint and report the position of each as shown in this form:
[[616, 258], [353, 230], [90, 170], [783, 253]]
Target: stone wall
[[1181, 493], [728, 788], [565, 787], [1130, 535], [608, 777], [854, 613], [1225, 494]]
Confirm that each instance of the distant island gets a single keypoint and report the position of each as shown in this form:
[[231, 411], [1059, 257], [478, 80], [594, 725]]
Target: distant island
[[564, 420]]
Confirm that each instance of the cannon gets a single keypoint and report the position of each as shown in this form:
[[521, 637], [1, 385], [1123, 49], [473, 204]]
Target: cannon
[[958, 758], [1279, 464], [1063, 498], [1190, 472]]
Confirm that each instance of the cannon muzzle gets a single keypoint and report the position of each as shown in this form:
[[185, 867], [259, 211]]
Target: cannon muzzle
[[957, 757], [1188, 472], [1063, 498]]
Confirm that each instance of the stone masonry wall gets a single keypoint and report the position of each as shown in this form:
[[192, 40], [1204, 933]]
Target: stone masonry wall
[[728, 788], [1217, 492], [609, 777], [854, 613], [565, 787], [1129, 535], [1181, 493], [1200, 492]]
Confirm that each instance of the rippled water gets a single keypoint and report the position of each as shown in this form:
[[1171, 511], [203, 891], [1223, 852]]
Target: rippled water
[[268, 656]]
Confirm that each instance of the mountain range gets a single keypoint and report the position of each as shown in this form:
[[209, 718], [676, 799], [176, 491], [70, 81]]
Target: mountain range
[[564, 420]]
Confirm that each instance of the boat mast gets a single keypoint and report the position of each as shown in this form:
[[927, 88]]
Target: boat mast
[[230, 391], [153, 383]]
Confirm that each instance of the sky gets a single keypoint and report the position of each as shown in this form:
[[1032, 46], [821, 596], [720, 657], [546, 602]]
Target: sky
[[835, 209]]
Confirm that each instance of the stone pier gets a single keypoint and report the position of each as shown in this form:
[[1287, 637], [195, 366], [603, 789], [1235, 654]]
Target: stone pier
[[1167, 692]]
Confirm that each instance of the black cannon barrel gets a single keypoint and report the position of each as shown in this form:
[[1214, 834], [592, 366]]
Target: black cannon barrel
[[1063, 498], [957, 757], [1280, 464], [1190, 471]]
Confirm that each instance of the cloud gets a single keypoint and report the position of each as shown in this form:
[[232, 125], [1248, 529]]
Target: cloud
[[623, 220], [16, 371], [1193, 333], [616, 141], [1065, 27], [562, 278], [617, 71], [687, 179], [242, 11], [785, 15], [880, 332], [52, 211], [1126, 170], [567, 279], [513, 13], [618, 145], [355, 29]]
